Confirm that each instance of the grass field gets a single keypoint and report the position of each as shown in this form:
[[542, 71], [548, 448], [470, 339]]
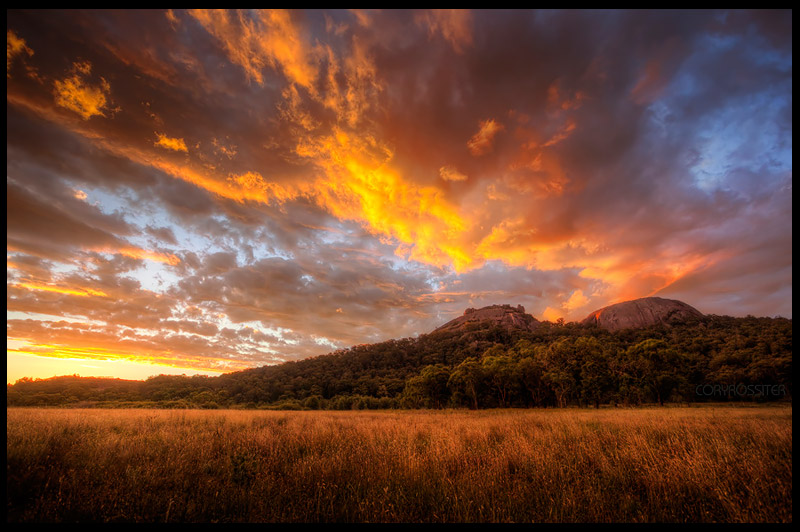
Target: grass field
[[710, 464]]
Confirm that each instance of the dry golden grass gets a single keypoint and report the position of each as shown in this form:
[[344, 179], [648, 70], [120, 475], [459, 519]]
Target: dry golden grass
[[712, 464]]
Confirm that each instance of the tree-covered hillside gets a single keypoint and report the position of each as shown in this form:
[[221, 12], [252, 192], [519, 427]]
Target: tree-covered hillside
[[713, 358]]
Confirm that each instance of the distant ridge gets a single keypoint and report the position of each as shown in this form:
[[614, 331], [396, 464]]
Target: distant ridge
[[503, 315], [642, 312]]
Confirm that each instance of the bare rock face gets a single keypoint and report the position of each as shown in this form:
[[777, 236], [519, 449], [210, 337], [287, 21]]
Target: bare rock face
[[641, 313], [503, 315]]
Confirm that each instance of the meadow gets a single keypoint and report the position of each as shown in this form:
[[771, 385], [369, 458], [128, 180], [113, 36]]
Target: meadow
[[699, 464]]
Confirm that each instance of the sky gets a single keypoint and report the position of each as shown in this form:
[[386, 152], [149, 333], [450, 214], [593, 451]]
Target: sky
[[199, 192]]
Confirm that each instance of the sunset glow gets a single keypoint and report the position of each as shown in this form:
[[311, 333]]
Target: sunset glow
[[206, 191]]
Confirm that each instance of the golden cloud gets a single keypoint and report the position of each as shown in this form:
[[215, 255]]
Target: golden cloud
[[75, 94], [482, 142], [171, 143], [448, 173], [576, 300], [267, 38], [551, 314], [358, 183], [138, 253], [15, 46], [73, 291]]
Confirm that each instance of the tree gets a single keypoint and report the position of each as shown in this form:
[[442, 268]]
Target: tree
[[561, 368], [654, 365], [466, 380], [529, 373], [429, 388], [499, 370], [522, 349], [595, 374]]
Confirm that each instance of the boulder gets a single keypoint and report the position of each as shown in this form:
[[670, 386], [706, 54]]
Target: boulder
[[502, 315], [641, 313]]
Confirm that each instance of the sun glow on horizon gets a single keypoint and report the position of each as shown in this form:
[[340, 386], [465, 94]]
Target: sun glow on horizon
[[22, 364]]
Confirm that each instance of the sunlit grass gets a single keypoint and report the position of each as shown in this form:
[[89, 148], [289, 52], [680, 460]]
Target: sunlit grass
[[676, 464]]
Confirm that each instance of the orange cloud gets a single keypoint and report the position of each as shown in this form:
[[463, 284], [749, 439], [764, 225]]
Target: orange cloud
[[75, 94], [15, 46], [562, 134], [351, 85], [626, 273], [171, 143], [448, 173], [267, 38], [83, 292], [514, 241], [482, 142], [551, 314], [227, 151], [360, 184], [361, 85], [171, 17], [537, 172], [559, 99], [576, 300], [137, 253]]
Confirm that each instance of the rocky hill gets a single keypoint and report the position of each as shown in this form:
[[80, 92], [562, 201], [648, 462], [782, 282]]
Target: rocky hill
[[640, 313], [503, 315]]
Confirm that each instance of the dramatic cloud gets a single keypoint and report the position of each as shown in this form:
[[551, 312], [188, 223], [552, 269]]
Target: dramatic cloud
[[208, 190]]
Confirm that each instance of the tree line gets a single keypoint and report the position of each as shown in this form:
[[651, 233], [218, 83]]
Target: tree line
[[714, 358]]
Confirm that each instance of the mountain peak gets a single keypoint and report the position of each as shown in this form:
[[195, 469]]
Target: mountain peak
[[503, 315], [641, 313]]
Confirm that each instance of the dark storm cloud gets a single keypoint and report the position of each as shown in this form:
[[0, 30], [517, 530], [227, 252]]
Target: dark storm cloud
[[43, 228]]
